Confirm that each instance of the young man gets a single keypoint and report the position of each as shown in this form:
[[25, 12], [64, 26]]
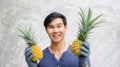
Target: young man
[[58, 54]]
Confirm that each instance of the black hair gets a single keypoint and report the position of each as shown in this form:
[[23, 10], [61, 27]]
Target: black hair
[[53, 16]]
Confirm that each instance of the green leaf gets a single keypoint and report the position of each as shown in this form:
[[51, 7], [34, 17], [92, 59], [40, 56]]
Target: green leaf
[[28, 36], [96, 18], [87, 24]]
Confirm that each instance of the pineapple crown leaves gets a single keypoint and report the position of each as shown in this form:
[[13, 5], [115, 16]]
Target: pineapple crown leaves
[[28, 36], [87, 24]]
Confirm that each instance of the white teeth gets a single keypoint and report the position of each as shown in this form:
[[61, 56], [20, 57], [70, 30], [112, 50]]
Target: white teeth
[[56, 36]]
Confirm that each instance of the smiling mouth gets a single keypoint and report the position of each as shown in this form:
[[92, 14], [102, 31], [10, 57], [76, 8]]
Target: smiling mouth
[[56, 36]]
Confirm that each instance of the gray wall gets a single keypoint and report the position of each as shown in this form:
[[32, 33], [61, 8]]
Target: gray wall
[[20, 14]]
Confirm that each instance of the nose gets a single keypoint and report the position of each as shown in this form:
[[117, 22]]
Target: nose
[[55, 30]]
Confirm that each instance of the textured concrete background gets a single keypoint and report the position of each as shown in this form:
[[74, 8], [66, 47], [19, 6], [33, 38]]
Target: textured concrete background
[[19, 14]]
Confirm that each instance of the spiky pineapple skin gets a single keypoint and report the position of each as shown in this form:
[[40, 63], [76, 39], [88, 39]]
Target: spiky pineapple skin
[[37, 52], [75, 47]]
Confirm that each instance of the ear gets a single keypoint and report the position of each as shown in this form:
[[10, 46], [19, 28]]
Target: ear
[[46, 30], [66, 27]]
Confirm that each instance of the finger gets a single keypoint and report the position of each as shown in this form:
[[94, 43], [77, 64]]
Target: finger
[[86, 45], [27, 50], [27, 47], [84, 49], [28, 53], [84, 54], [30, 58]]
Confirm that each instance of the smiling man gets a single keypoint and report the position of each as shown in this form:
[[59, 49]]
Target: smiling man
[[58, 54]]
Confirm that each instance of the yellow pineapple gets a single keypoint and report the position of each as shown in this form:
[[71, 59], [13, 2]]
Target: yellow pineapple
[[28, 36], [87, 24]]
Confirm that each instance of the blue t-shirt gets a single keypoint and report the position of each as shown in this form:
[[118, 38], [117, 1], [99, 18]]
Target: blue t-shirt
[[68, 59]]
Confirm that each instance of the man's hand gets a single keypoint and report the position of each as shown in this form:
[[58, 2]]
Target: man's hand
[[28, 57], [84, 54]]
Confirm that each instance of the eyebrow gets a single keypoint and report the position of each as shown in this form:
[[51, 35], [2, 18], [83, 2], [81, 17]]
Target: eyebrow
[[59, 24]]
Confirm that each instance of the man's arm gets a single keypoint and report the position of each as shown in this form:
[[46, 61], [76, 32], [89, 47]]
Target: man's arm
[[88, 63], [84, 55], [28, 58]]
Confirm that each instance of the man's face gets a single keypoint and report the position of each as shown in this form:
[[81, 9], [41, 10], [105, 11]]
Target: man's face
[[56, 30]]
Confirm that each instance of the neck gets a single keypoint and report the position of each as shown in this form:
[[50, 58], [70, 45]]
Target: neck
[[59, 45]]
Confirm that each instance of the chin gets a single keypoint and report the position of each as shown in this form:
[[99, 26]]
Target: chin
[[56, 41]]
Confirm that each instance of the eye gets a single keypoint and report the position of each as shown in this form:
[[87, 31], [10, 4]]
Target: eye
[[50, 27], [59, 26]]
